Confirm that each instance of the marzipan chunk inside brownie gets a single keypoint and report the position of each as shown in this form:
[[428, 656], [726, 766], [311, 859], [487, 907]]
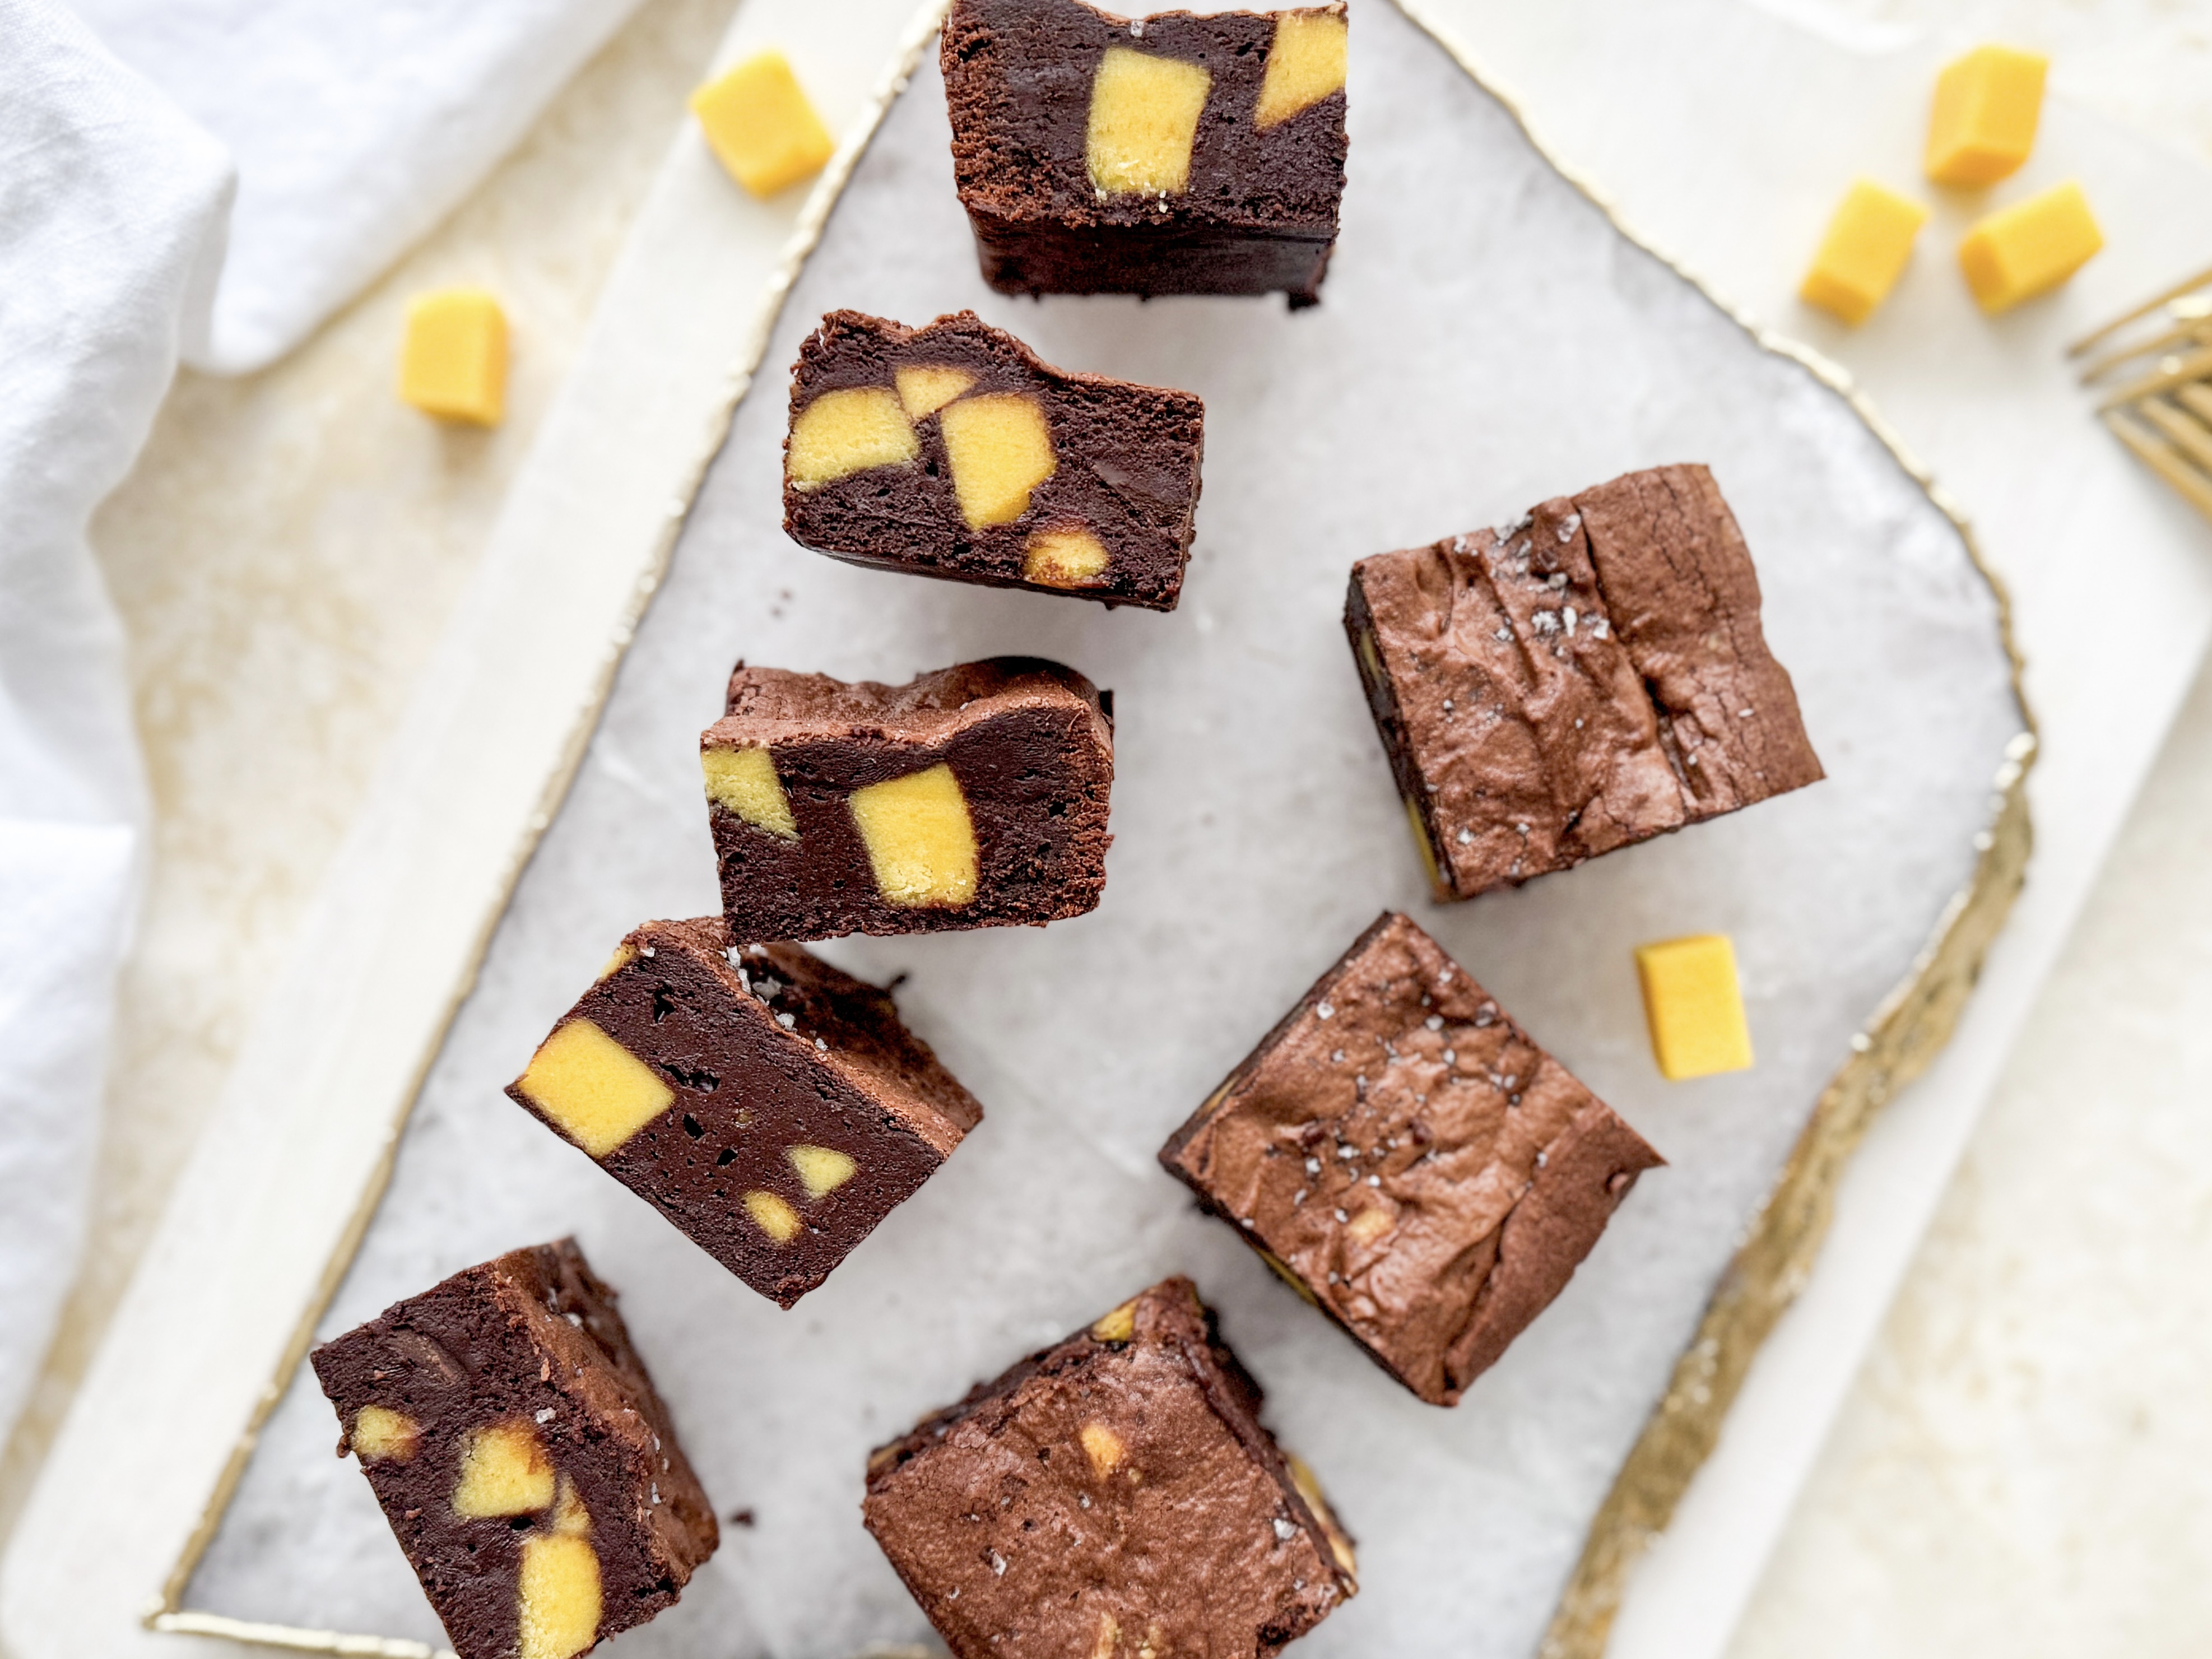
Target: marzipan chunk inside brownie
[[952, 451], [517, 1446], [774, 1108], [1409, 1160], [1172, 154], [1114, 1495], [1589, 676], [973, 797]]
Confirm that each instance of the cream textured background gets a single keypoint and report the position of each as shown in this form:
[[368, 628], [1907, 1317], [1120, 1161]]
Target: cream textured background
[[2021, 1468], [2014, 1473], [2024, 1467]]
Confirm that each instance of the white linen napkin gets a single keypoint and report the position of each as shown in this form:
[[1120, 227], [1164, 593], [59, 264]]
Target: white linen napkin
[[111, 204], [354, 129], [357, 125]]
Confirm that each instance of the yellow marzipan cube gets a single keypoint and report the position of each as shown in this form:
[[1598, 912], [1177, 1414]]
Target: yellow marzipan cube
[[1863, 253], [1305, 64], [1693, 1006], [1143, 122], [921, 837], [2029, 248], [760, 126], [1987, 105], [454, 363], [592, 1089]]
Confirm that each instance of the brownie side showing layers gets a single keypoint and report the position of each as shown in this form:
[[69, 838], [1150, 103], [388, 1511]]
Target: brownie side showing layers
[[1028, 82], [1586, 678], [774, 1108], [973, 797], [1410, 1161], [529, 1470], [1115, 1494], [1109, 518]]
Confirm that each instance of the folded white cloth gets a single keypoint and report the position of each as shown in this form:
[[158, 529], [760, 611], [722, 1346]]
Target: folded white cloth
[[354, 128], [357, 125], [112, 206]]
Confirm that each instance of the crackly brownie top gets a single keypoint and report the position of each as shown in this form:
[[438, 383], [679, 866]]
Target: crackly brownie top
[[834, 1020], [1518, 699], [1588, 676], [1019, 78], [774, 706], [1684, 595], [1379, 1139], [1111, 1494]]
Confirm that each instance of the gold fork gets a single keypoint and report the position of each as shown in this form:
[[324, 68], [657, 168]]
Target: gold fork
[[2164, 412]]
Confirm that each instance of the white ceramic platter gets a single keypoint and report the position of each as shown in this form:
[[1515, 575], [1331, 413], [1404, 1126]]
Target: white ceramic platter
[[1487, 338]]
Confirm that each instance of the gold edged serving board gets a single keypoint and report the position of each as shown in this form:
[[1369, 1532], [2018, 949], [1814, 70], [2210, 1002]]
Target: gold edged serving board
[[380, 1034]]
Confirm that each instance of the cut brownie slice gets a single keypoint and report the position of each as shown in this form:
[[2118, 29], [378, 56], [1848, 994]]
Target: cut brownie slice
[[1115, 1495], [772, 1108], [952, 451], [1171, 154], [1592, 676], [521, 1455], [1410, 1160], [973, 797]]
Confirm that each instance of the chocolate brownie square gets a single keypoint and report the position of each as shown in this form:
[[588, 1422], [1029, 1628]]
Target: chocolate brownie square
[[1408, 1158], [515, 1443], [952, 451], [1588, 677], [773, 1107], [973, 797], [1115, 1494], [1174, 154]]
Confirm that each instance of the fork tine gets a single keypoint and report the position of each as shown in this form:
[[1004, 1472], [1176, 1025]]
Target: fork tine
[[2194, 367], [2198, 397], [2158, 455], [2143, 310], [2196, 328], [2187, 433]]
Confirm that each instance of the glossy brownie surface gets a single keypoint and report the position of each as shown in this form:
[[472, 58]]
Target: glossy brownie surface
[[1589, 676], [1410, 1159], [1113, 1494]]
